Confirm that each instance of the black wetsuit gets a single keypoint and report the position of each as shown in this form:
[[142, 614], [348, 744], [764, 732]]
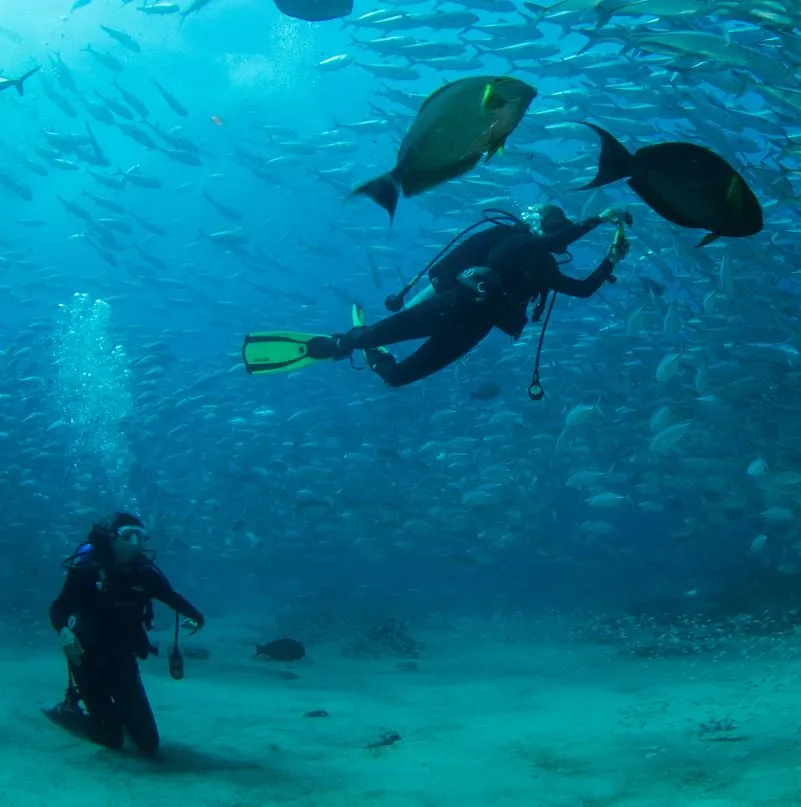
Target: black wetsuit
[[110, 609], [454, 320]]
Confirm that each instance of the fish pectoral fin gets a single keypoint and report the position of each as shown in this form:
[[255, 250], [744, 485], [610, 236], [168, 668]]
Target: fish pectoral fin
[[707, 239], [491, 100], [734, 192], [496, 149]]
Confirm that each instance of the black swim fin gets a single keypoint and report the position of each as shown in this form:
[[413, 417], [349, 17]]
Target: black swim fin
[[69, 716]]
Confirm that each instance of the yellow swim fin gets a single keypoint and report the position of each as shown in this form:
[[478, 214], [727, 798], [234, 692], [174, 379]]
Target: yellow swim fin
[[279, 352]]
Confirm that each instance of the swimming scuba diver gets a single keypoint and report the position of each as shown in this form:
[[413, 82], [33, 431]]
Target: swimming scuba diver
[[102, 616], [486, 281]]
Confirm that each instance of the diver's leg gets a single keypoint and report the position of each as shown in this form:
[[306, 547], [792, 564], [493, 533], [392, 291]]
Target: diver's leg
[[419, 322], [100, 722], [442, 349], [133, 705]]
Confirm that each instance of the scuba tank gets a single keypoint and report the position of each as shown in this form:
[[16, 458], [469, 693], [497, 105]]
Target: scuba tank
[[491, 215]]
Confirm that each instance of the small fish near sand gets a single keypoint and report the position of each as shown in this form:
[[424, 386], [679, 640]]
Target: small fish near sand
[[384, 739], [686, 184], [456, 125], [282, 650]]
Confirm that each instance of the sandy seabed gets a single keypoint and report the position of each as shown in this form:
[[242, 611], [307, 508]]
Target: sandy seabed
[[482, 721]]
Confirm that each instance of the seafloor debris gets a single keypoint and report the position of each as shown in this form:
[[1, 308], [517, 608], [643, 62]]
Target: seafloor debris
[[384, 739], [719, 730], [386, 638], [196, 652], [672, 635]]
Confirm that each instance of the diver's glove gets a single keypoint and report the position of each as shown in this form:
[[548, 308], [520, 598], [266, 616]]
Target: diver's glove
[[70, 646], [619, 247], [617, 215]]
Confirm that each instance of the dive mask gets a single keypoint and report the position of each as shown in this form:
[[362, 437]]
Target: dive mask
[[130, 540]]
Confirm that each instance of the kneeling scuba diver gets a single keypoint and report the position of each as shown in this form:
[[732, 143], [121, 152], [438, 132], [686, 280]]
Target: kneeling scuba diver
[[102, 616]]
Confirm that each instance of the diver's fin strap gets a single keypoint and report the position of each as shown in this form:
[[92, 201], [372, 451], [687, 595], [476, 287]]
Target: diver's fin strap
[[358, 319]]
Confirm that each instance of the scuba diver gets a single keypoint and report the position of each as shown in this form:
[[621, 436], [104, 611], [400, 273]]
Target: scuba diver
[[102, 616], [486, 281]]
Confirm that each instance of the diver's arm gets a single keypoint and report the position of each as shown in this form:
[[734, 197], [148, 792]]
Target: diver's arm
[[560, 240], [518, 246], [159, 588], [573, 287], [70, 600]]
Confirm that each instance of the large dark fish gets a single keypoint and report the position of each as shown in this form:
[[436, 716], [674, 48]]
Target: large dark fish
[[282, 650], [454, 127], [686, 184], [315, 10]]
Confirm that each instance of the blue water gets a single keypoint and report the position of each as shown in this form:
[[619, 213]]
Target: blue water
[[322, 497]]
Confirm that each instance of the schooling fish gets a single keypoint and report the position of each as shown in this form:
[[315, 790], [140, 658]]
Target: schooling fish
[[686, 184], [106, 59], [159, 8], [177, 107], [18, 83], [193, 8], [126, 40], [282, 650], [485, 392], [454, 127]]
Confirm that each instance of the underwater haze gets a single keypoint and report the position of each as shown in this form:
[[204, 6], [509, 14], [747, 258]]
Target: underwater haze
[[174, 181]]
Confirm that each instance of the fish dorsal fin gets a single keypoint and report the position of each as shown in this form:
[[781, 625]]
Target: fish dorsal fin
[[437, 93]]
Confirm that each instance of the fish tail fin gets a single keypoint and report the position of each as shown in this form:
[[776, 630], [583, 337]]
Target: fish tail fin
[[20, 82], [384, 191], [615, 161], [594, 38], [603, 18], [537, 10]]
